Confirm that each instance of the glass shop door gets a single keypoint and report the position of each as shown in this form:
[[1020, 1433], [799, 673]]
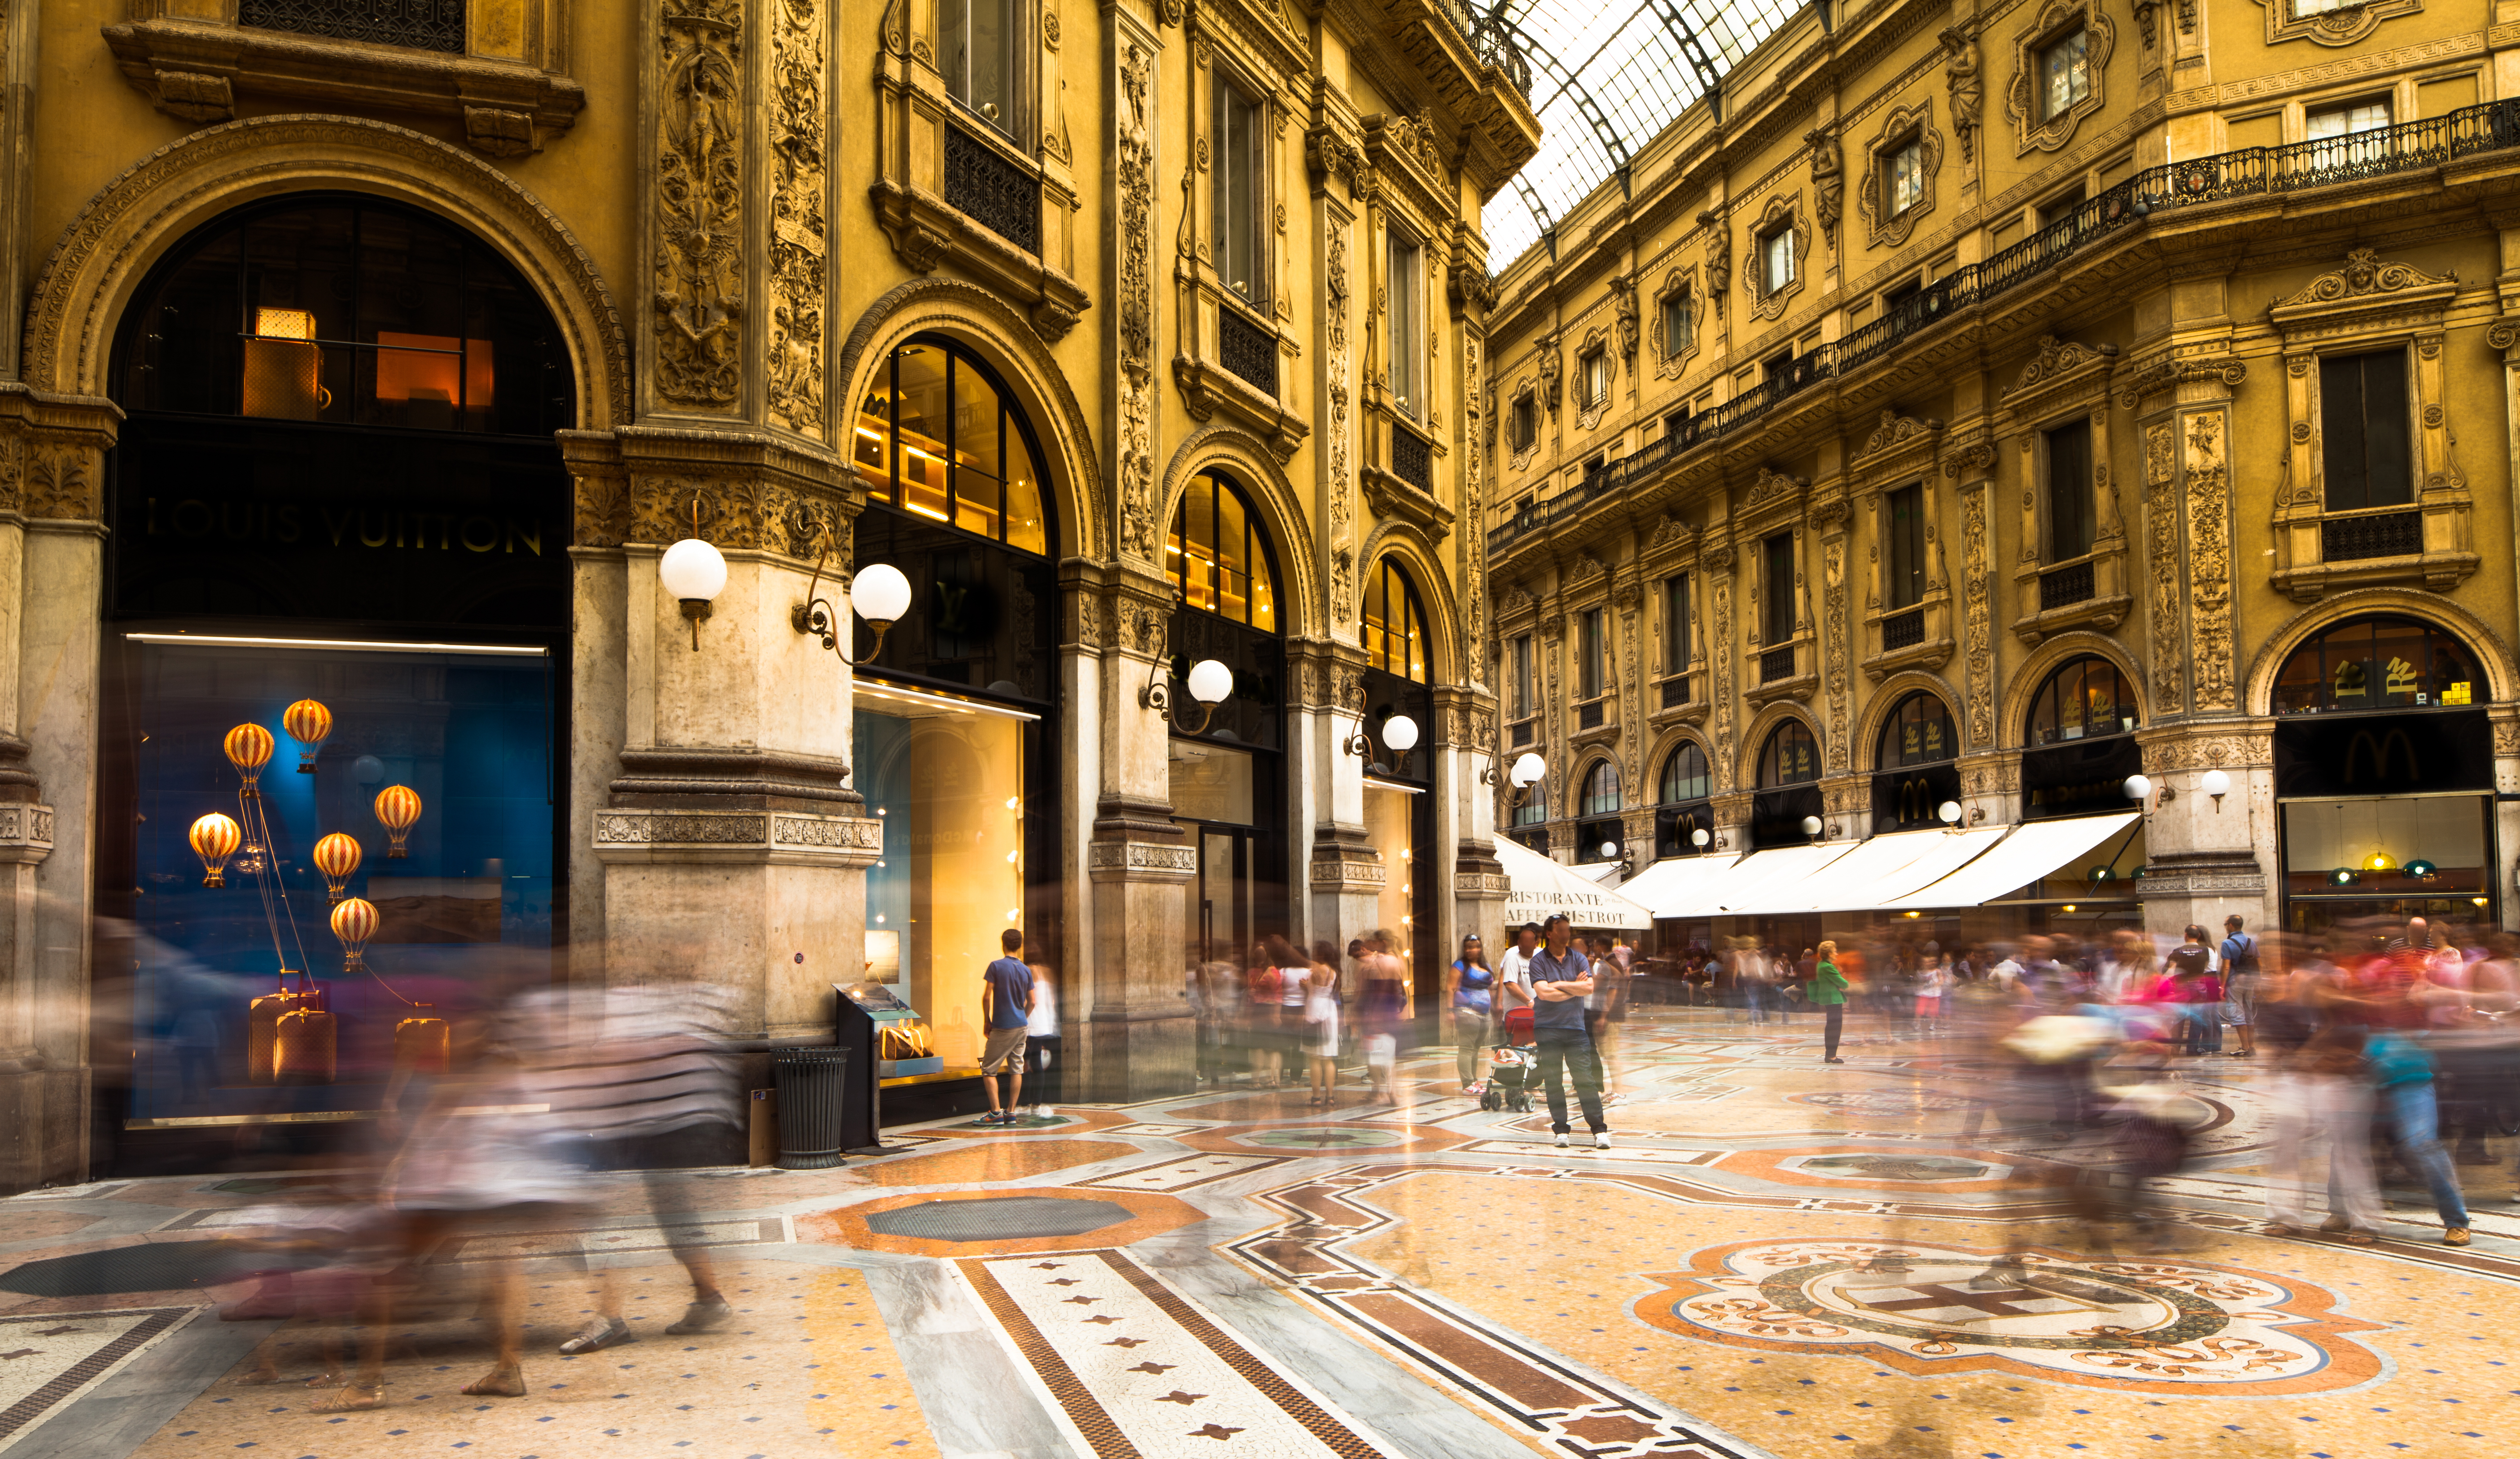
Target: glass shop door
[[1222, 895]]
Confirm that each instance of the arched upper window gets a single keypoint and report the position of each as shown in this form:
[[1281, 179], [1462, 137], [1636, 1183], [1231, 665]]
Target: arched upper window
[[351, 312], [2085, 698], [1395, 626], [1791, 756], [1683, 775], [937, 437], [1218, 555], [1918, 732], [1601, 788], [2378, 662]]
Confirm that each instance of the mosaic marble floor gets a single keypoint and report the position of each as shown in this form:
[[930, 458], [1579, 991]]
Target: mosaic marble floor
[[1777, 1257]]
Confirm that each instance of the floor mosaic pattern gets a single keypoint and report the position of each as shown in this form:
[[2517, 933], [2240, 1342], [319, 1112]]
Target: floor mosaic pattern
[[1775, 1257]]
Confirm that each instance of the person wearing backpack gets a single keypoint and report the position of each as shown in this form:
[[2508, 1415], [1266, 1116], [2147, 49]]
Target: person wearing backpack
[[2240, 985]]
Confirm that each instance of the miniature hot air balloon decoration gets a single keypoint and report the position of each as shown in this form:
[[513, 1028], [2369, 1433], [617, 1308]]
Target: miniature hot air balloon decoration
[[307, 723], [354, 921], [397, 808], [216, 837], [249, 748], [336, 856]]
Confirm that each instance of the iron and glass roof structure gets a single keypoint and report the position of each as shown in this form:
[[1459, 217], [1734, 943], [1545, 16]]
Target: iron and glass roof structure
[[1606, 80]]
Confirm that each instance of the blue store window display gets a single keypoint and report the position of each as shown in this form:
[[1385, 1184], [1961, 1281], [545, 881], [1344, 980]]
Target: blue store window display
[[341, 850]]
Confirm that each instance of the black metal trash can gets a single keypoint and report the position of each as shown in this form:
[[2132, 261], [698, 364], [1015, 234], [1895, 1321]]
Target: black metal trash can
[[812, 1084]]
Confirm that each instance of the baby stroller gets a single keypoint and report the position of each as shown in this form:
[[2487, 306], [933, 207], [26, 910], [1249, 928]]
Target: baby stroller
[[1513, 1067]]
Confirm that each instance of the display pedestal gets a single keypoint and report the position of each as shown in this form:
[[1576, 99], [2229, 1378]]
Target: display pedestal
[[859, 1017]]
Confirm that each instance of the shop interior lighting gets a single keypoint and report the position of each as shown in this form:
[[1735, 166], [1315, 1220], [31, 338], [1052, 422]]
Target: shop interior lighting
[[917, 699], [361, 645]]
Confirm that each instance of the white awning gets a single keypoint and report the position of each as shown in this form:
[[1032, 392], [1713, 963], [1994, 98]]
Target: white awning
[[1675, 881], [1949, 851], [2034, 849], [1760, 879], [1539, 889], [1599, 873]]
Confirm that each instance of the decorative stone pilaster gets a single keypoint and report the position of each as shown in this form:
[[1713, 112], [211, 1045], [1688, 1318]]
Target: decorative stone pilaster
[[2202, 856]]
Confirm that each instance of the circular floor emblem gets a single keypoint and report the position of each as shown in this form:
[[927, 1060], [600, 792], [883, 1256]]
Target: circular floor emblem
[[999, 1219], [1323, 1139], [1881, 1103], [1931, 1167], [2162, 1325]]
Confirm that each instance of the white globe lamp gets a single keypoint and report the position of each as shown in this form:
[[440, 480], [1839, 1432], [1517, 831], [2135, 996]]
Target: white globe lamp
[[694, 573]]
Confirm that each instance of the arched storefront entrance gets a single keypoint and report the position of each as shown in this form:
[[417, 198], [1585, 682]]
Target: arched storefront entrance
[[2384, 777], [1399, 787], [2079, 751], [1915, 765], [340, 529], [1228, 779], [1788, 788], [955, 724]]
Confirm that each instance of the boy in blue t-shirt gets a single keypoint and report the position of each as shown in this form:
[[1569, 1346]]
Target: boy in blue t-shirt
[[1006, 1013]]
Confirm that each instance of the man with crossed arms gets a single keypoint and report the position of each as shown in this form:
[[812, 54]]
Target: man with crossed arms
[[1561, 984]]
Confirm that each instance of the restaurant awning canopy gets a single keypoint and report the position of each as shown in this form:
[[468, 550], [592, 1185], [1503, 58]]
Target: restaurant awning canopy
[[1539, 889], [2034, 849], [1747, 886], [1675, 881]]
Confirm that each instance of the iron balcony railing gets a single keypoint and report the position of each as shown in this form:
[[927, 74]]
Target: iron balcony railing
[[2251, 171]]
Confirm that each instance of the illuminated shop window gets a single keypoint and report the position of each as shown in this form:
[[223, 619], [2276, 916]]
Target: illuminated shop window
[[937, 437]]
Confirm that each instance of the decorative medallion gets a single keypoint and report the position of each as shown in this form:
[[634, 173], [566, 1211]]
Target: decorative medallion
[[2155, 1325]]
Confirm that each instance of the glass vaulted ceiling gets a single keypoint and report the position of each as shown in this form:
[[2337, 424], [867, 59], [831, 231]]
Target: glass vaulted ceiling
[[1605, 79]]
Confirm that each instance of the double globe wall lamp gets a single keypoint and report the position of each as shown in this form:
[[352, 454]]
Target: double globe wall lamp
[[2214, 783], [878, 594]]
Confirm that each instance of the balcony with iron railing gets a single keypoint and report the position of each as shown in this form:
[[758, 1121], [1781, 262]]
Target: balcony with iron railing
[[2250, 172]]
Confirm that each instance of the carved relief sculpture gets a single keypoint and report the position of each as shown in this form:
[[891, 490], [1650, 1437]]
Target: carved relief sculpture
[[1719, 257], [699, 204], [1552, 366], [1977, 617], [2167, 642], [1960, 69], [1834, 644], [797, 219], [1135, 246], [1623, 300], [1829, 179], [2209, 558], [1342, 472]]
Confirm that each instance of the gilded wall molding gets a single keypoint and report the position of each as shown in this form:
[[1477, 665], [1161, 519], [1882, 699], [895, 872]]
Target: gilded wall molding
[[799, 214], [1338, 294], [2031, 132], [2165, 643], [1133, 243], [2344, 25], [1884, 229], [1977, 614], [2208, 570]]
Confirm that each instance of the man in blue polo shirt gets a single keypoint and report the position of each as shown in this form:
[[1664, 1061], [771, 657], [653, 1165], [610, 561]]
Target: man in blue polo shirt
[[1561, 981], [1006, 1011]]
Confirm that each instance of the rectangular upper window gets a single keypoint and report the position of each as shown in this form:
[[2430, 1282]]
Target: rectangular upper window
[[1674, 624], [2064, 73], [979, 55], [1904, 514], [1903, 175], [1592, 656], [1521, 678], [1527, 424], [1408, 330], [1241, 190], [1776, 260], [1777, 589], [2366, 448], [2069, 491], [1594, 380], [1675, 322]]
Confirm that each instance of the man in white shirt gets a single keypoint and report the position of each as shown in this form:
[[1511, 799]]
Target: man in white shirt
[[1513, 971]]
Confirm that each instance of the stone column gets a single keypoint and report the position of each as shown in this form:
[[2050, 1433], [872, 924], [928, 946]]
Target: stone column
[[1345, 874], [711, 755], [52, 456]]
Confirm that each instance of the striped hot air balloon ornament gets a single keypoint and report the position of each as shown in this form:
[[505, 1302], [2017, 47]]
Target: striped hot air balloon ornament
[[307, 723], [249, 748], [354, 921], [216, 837], [397, 808]]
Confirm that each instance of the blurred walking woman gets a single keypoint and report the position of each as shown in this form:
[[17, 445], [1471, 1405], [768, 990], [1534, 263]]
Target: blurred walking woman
[[1829, 994], [1470, 988]]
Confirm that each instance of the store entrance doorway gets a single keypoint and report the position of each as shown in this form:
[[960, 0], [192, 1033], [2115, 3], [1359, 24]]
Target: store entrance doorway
[[1224, 894]]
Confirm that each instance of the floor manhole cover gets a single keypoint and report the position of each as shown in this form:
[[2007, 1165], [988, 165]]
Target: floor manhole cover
[[999, 1219], [152, 1267]]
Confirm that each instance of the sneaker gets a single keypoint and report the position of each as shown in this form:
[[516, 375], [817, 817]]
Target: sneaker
[[700, 1317], [1562, 1140], [1600, 1139], [2455, 1236], [601, 1333], [1041, 1112]]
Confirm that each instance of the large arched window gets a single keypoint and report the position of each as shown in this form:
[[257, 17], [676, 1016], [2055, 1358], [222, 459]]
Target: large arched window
[[1791, 756], [1532, 807], [1684, 776], [1395, 626], [1913, 774], [1918, 732], [2085, 698], [937, 437], [2378, 662], [1601, 788], [1218, 555], [349, 312]]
